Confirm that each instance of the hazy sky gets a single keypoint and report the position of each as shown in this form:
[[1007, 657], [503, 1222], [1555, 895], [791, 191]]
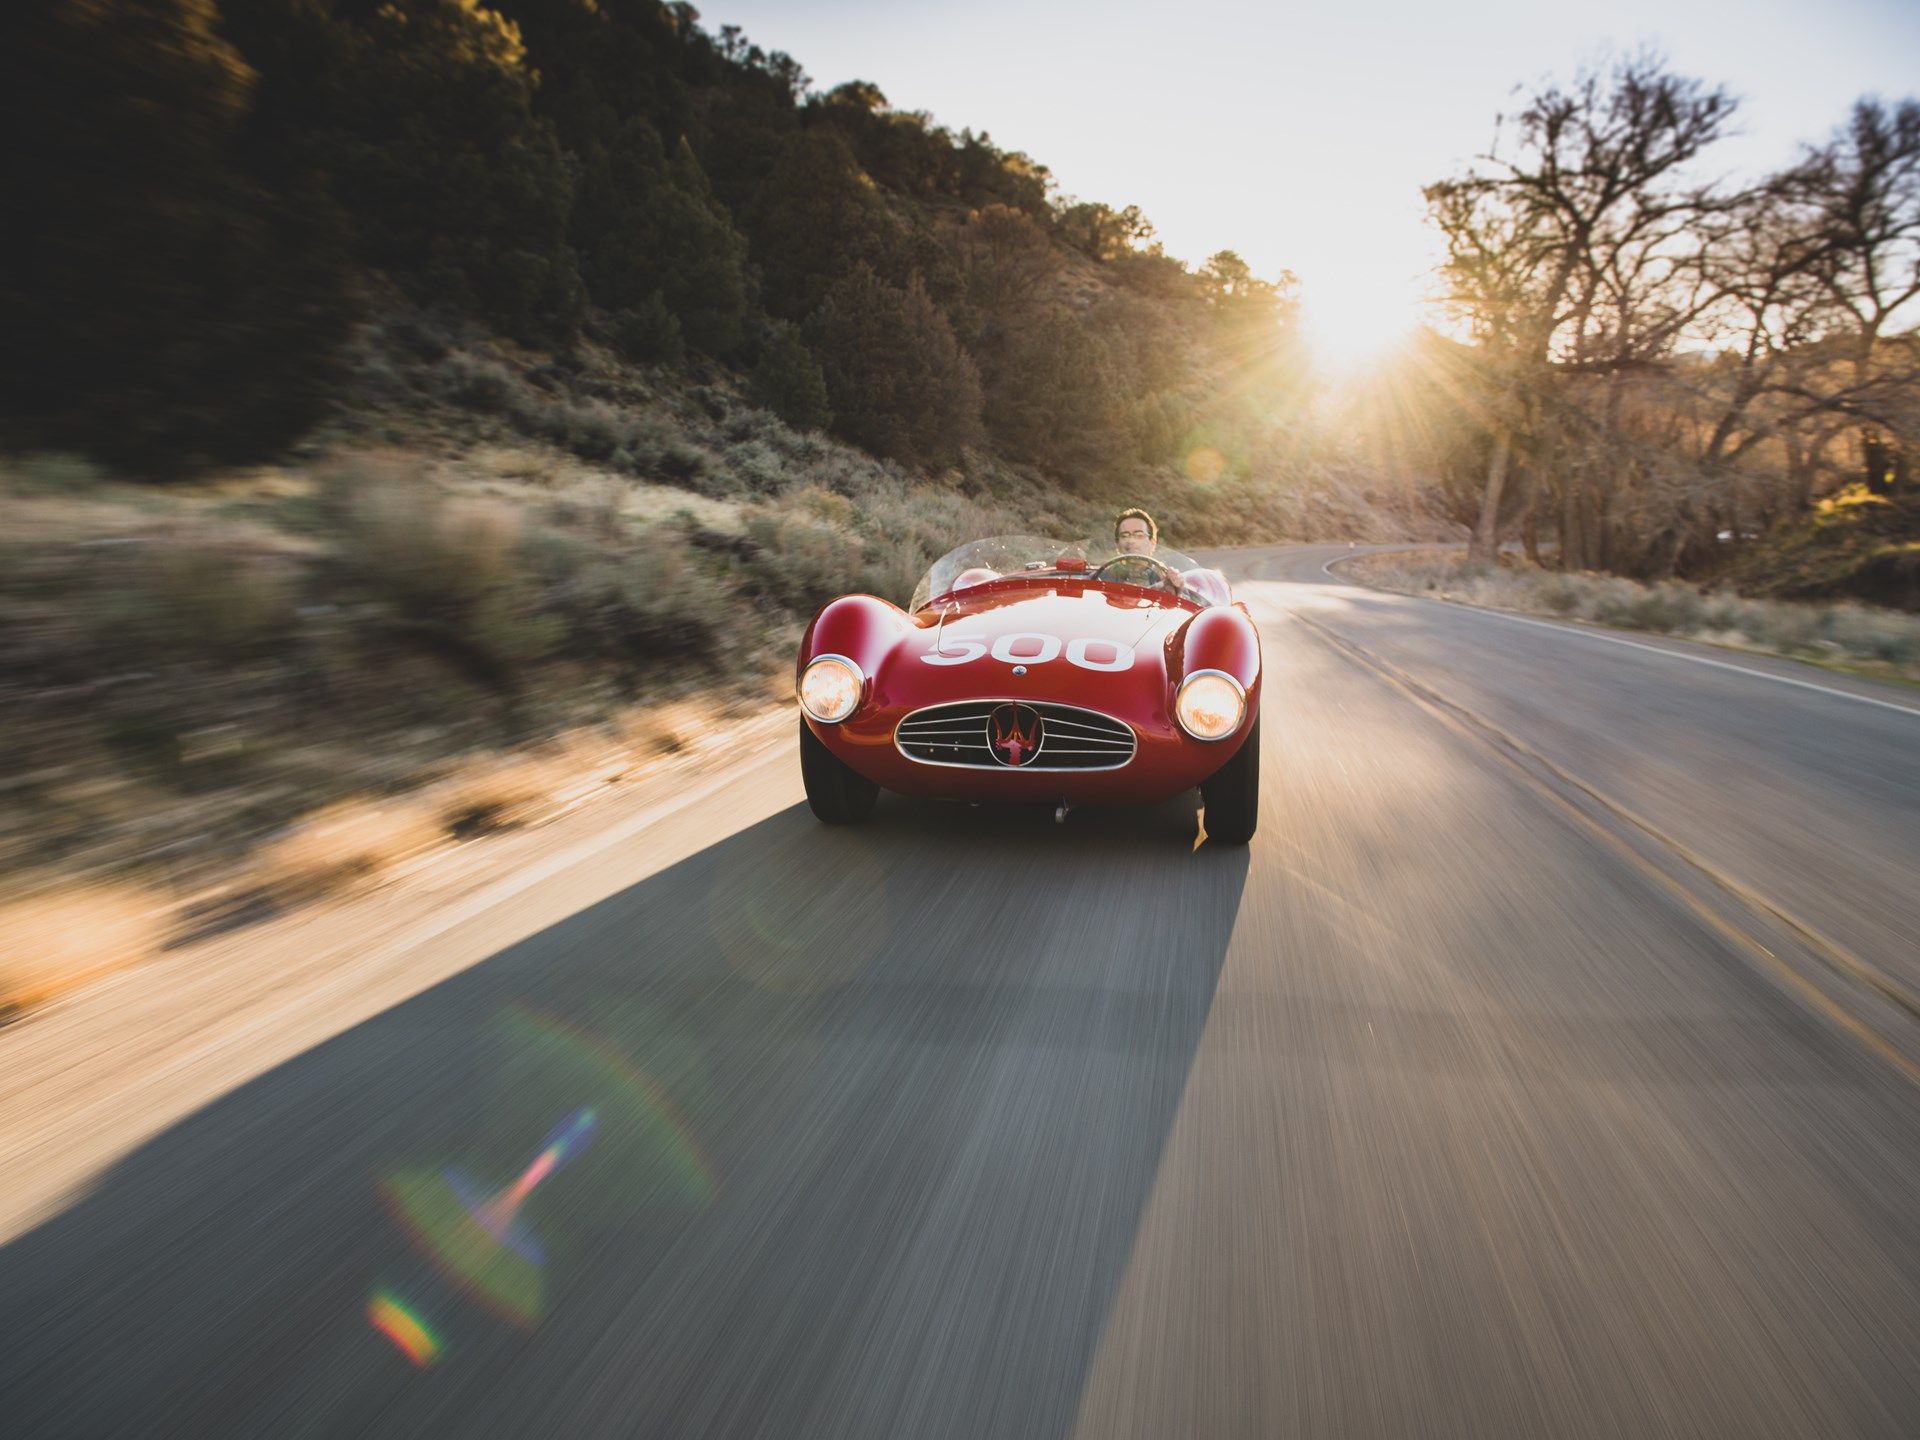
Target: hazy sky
[[1300, 135]]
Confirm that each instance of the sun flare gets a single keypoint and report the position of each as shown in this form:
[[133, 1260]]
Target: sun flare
[[1351, 324]]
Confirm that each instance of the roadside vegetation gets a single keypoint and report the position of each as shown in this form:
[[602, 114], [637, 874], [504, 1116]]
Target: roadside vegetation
[[234, 188], [186, 671], [1864, 638], [403, 407], [1660, 363], [396, 394], [479, 590], [1861, 541]]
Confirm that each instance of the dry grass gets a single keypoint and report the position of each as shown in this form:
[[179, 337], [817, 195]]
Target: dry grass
[[1877, 641], [342, 848], [665, 729], [52, 942], [452, 617], [497, 796], [351, 846]]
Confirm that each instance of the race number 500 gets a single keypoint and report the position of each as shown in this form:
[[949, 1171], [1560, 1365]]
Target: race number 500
[[1032, 648]]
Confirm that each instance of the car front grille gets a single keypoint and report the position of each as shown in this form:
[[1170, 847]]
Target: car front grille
[[1014, 735]]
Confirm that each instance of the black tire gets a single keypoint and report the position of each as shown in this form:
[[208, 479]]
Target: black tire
[[1232, 795], [836, 792]]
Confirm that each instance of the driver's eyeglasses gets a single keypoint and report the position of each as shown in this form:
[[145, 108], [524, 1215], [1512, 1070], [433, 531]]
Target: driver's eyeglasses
[[1133, 534]]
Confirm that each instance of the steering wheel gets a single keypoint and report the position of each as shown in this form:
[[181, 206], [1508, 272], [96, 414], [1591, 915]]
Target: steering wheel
[[1139, 570]]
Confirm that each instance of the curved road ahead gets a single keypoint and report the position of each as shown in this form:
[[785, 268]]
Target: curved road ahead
[[1544, 1068]]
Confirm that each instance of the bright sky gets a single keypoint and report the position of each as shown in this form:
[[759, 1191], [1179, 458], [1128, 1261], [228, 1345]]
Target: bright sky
[[1300, 134]]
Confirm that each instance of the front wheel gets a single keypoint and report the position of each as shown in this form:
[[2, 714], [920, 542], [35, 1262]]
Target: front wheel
[[838, 794], [1232, 795]]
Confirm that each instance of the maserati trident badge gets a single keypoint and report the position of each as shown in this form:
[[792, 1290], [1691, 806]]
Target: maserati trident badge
[[1013, 731]]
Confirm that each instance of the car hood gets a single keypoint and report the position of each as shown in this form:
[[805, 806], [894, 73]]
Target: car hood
[[1068, 611], [1069, 638]]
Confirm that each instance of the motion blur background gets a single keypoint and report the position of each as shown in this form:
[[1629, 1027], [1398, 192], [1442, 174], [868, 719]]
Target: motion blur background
[[407, 408]]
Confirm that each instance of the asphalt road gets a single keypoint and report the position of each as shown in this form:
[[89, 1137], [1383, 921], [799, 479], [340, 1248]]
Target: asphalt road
[[1541, 1069]]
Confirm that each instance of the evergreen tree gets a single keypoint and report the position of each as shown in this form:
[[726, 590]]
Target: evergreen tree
[[650, 331], [1006, 266], [159, 307], [899, 382], [647, 224], [787, 380], [816, 216], [1053, 402], [420, 119]]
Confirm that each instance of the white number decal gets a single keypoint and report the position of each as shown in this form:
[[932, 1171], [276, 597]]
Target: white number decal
[[973, 647], [1049, 648], [1077, 654], [963, 649]]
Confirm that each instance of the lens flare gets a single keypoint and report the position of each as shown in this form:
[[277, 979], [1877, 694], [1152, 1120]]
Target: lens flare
[[438, 1210], [1205, 464], [641, 1102], [409, 1333], [499, 1216], [480, 1233], [475, 1236]]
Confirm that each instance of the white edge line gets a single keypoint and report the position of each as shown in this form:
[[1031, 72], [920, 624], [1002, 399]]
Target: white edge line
[[1327, 570]]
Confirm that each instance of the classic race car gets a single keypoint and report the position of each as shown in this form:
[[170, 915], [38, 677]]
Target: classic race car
[[1027, 669]]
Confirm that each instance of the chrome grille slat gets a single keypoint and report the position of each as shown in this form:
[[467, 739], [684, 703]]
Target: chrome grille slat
[[1083, 725], [1071, 738]]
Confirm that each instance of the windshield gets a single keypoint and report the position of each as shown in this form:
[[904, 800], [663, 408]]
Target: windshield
[[979, 562]]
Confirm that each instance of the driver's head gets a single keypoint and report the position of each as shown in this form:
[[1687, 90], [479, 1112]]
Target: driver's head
[[1134, 532]]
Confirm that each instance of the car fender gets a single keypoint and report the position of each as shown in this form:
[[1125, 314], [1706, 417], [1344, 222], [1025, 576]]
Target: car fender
[[863, 628], [1222, 638]]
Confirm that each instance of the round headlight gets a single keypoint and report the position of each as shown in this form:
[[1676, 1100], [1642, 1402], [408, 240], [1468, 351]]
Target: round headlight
[[1210, 705], [830, 688]]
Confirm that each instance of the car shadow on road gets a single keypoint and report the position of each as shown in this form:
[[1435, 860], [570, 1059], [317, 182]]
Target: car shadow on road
[[816, 1132]]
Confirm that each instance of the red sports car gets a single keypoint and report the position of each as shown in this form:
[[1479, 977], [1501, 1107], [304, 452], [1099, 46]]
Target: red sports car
[[1037, 670]]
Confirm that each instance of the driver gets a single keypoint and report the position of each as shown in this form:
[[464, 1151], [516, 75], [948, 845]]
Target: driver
[[1134, 532]]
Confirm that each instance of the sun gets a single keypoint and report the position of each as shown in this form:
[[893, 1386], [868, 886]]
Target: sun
[[1353, 322]]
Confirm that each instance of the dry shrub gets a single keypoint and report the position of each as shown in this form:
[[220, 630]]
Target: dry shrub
[[340, 848], [187, 593], [665, 729], [891, 570], [1887, 635], [205, 595], [659, 598], [1841, 630], [53, 471], [408, 540], [496, 797], [479, 382], [454, 568], [52, 942], [797, 559]]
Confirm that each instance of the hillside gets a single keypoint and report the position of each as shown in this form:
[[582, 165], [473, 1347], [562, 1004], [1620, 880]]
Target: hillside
[[239, 187], [488, 571], [391, 387]]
